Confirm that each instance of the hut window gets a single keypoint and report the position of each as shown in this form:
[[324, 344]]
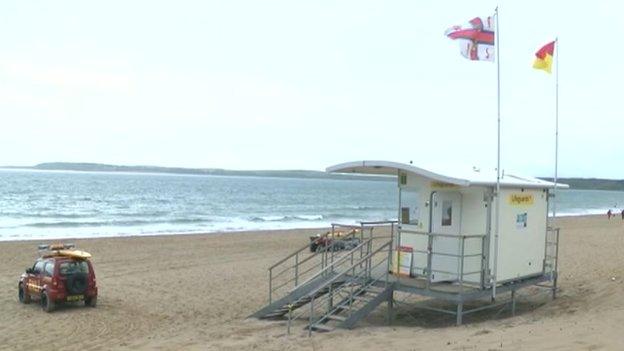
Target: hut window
[[447, 213], [405, 218], [410, 211]]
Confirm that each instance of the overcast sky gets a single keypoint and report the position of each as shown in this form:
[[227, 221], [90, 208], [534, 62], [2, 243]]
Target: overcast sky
[[306, 84]]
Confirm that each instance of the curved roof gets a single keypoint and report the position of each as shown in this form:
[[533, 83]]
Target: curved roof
[[473, 177]]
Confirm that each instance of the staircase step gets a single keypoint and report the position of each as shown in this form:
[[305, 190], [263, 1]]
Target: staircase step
[[364, 309], [374, 289], [273, 317], [276, 313], [320, 327], [362, 298], [336, 318]]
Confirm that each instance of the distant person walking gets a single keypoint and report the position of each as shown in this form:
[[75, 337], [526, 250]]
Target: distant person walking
[[609, 214], [623, 214]]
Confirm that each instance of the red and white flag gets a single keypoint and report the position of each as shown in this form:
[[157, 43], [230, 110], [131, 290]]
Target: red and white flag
[[476, 38]]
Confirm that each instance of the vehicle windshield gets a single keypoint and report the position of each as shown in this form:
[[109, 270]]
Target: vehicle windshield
[[72, 267]]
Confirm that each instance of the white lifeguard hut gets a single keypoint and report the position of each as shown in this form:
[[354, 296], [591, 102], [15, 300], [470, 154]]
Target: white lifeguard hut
[[462, 204], [444, 246]]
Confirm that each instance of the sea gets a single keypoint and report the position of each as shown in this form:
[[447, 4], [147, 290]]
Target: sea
[[68, 204]]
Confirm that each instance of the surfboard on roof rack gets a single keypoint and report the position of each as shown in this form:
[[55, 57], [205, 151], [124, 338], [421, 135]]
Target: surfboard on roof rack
[[68, 250]]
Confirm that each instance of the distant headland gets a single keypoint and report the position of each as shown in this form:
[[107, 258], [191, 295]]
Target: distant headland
[[100, 167], [575, 183]]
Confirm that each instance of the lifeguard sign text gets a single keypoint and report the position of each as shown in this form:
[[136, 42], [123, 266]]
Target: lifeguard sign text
[[521, 199]]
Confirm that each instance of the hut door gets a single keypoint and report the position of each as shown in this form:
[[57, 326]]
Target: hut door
[[446, 219]]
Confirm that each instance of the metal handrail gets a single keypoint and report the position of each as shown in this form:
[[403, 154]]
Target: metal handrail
[[307, 246], [298, 263], [351, 226], [364, 224], [465, 236], [364, 265], [362, 260], [291, 255], [444, 254], [295, 278], [353, 279], [332, 265], [367, 269], [447, 254], [377, 223], [352, 293], [363, 272], [461, 257], [282, 278]]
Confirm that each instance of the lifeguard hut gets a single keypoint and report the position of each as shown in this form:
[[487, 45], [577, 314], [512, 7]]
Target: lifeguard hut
[[444, 246]]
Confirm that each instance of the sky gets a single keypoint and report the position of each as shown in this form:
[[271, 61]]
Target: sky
[[307, 84]]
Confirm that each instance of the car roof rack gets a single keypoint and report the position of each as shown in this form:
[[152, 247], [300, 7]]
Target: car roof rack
[[62, 250], [53, 249]]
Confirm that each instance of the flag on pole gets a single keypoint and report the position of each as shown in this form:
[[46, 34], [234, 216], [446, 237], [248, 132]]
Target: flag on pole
[[544, 57], [476, 38]]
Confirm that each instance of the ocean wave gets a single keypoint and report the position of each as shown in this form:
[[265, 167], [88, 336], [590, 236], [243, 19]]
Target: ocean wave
[[45, 215], [585, 212], [116, 223], [142, 214], [367, 208], [286, 218]]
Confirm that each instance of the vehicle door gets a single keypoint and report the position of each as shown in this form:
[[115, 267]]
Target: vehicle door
[[446, 219], [34, 279], [48, 272]]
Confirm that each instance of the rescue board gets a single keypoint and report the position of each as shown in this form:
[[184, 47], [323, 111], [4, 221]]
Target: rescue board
[[75, 254]]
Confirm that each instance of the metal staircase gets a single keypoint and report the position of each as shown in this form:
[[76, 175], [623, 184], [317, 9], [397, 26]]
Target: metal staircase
[[364, 286], [329, 288], [295, 299]]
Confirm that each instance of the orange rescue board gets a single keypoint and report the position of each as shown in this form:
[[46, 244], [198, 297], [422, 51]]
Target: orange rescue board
[[75, 254]]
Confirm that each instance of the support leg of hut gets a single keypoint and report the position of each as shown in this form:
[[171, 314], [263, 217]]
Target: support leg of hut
[[554, 288], [460, 307], [513, 302], [390, 307]]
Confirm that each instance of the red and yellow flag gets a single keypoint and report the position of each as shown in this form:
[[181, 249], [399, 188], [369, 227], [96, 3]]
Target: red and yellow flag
[[544, 57]]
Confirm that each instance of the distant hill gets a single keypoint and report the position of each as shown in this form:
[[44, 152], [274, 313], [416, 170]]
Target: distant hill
[[591, 183], [99, 167], [575, 183]]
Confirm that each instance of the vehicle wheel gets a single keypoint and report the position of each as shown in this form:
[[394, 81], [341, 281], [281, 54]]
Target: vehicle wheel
[[46, 303], [91, 301], [23, 295]]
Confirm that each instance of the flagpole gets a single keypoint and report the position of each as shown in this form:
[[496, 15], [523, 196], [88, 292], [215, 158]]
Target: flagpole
[[498, 159], [556, 125], [556, 52]]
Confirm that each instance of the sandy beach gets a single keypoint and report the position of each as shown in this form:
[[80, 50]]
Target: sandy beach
[[195, 292]]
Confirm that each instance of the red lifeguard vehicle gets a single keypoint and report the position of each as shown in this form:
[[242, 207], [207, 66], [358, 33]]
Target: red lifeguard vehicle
[[61, 274]]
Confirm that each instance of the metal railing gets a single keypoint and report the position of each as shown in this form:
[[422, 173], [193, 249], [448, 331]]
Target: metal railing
[[296, 268], [291, 271], [462, 255], [551, 257], [354, 281], [340, 264]]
